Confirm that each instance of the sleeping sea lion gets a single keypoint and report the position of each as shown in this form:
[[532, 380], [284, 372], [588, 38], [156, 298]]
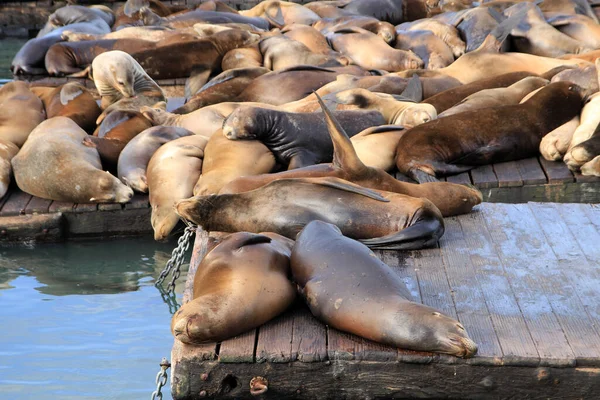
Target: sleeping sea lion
[[246, 57], [589, 122], [20, 112], [280, 13], [591, 168], [428, 47], [281, 52], [448, 33], [584, 152], [381, 28], [325, 264], [7, 151], [555, 144]]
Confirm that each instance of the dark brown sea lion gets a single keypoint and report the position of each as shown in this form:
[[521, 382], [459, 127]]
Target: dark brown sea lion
[[133, 160], [382, 220], [326, 264], [20, 112], [55, 164], [220, 309], [247, 57], [296, 139], [70, 100], [122, 125], [451, 199], [281, 52], [108, 150], [457, 143], [383, 29]]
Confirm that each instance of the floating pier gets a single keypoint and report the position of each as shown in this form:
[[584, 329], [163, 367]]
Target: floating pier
[[523, 279]]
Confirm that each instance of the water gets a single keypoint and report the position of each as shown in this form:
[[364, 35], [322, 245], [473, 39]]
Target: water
[[83, 320], [8, 48]]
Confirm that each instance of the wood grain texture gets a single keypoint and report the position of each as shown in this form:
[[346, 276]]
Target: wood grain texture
[[531, 171], [16, 204], [459, 178], [508, 174], [484, 177], [556, 172]]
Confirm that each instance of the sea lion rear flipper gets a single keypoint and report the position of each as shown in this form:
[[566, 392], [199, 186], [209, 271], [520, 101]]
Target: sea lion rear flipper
[[69, 92], [344, 154], [496, 15], [340, 184], [414, 89], [493, 41], [274, 15], [421, 176], [196, 81], [379, 129], [84, 73], [424, 233]]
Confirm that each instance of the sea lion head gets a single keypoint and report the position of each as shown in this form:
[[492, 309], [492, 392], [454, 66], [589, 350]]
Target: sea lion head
[[198, 209], [163, 221], [109, 189], [417, 115], [123, 79], [241, 124], [411, 61], [387, 32], [191, 322], [157, 114]]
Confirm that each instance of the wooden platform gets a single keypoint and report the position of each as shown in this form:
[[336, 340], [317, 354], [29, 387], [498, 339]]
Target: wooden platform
[[523, 279]]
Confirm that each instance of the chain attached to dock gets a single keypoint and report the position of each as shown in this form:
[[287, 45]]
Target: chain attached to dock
[[174, 263], [161, 379]]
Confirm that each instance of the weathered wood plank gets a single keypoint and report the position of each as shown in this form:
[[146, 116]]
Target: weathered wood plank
[[484, 177], [239, 349], [459, 178], [585, 231], [585, 178], [40, 228], [556, 172], [508, 174], [60, 206], [470, 304], [38, 206], [563, 193], [139, 200], [509, 324], [519, 251], [581, 323], [531, 171], [16, 204], [85, 207], [309, 338], [275, 339], [110, 207]]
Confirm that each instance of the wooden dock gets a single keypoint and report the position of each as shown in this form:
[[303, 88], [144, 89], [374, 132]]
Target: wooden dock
[[523, 279]]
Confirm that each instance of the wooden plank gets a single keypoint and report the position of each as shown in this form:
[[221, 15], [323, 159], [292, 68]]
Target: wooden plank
[[484, 177], [85, 207], [585, 232], [516, 239], [460, 178], [531, 171], [4, 198], [509, 324], [61, 206], [139, 200], [39, 228], [110, 207], [38, 205], [309, 338], [16, 204], [239, 349], [582, 325], [585, 178], [508, 174], [469, 302], [275, 339], [556, 172]]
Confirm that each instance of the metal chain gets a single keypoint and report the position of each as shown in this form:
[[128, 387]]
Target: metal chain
[[170, 299], [174, 263], [161, 379]]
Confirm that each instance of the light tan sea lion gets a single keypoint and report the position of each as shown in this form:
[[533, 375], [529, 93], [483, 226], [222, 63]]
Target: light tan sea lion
[[240, 284], [172, 172], [579, 27], [7, 151], [247, 57], [55, 164], [281, 52], [20, 112], [134, 158], [430, 48], [148, 33], [226, 160], [590, 119], [555, 144], [280, 13], [310, 37], [383, 29], [448, 33], [591, 168]]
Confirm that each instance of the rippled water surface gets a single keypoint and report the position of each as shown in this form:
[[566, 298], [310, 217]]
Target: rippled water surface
[[8, 49], [83, 320]]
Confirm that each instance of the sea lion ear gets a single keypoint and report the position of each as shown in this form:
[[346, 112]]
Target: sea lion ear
[[148, 113]]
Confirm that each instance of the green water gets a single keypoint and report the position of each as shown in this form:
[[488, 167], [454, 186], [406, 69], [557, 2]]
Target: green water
[[8, 48], [83, 320]]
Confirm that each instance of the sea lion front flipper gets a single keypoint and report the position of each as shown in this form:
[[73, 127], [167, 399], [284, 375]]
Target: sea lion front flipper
[[340, 184], [414, 89], [69, 92], [196, 81], [493, 41], [421, 176], [133, 6], [424, 233], [344, 154]]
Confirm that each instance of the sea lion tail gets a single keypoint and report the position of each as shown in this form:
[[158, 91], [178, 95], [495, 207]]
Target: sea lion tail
[[494, 40], [424, 233], [344, 155]]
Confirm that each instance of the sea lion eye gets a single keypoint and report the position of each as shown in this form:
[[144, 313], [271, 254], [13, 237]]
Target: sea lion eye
[[120, 82], [435, 313], [571, 87]]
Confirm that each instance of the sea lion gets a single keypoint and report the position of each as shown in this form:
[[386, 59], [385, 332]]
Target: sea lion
[[325, 264], [116, 75], [579, 27], [20, 112], [459, 142], [381, 220], [280, 13], [428, 47], [591, 168], [133, 160], [383, 29], [246, 57], [584, 152], [285, 86], [71, 100], [54, 164], [108, 150], [73, 14], [222, 88], [448, 33], [497, 96], [392, 11], [296, 139], [7, 151], [451, 199], [281, 52], [327, 10], [127, 15], [148, 33], [226, 160], [370, 52], [190, 18], [475, 24], [172, 172], [240, 284], [585, 77], [589, 121], [310, 37], [555, 144]]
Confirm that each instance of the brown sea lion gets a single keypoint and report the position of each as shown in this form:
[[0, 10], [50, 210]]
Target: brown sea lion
[[281, 52], [54, 164], [325, 264], [148, 33], [116, 75], [495, 97], [459, 142], [247, 57], [280, 13], [127, 14], [428, 47], [190, 18], [556, 143], [385, 30], [172, 172], [7, 151], [108, 150], [448, 33], [382, 220], [71, 100], [122, 125], [226, 160], [451, 199], [133, 160], [20, 112], [240, 284], [370, 52], [296, 139]]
